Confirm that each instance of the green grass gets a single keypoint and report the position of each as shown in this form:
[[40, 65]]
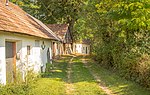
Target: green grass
[[58, 70], [47, 86], [84, 83], [54, 80], [117, 84]]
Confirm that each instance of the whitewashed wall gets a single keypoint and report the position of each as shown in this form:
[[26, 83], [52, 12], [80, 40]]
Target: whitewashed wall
[[81, 48], [2, 60], [57, 48], [36, 59]]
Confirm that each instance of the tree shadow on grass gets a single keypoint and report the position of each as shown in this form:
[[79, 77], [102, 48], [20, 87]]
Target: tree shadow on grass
[[80, 77], [59, 70], [84, 81], [80, 73], [118, 85]]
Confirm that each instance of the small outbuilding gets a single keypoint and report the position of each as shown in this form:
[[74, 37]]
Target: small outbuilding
[[82, 47]]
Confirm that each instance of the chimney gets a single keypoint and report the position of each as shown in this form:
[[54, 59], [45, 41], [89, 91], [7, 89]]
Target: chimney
[[7, 1]]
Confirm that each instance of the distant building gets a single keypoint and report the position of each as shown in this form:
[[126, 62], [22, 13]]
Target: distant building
[[81, 47], [25, 43], [62, 31]]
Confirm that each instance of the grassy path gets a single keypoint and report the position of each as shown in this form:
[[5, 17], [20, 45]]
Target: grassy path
[[113, 82], [68, 76], [69, 85], [83, 81], [73, 76], [97, 78]]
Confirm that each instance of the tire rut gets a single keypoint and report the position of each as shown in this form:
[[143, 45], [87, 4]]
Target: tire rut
[[69, 85], [97, 78]]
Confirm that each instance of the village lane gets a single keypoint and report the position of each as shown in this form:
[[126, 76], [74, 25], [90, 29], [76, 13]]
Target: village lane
[[74, 47], [79, 75], [67, 76]]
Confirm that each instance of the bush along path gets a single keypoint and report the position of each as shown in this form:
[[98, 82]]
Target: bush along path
[[111, 83]]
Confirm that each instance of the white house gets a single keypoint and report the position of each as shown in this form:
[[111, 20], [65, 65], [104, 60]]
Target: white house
[[25, 43], [82, 47]]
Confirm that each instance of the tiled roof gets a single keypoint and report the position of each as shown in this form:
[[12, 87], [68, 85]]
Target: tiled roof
[[59, 29], [14, 19], [84, 41]]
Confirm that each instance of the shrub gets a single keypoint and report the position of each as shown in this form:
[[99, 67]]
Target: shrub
[[20, 88]]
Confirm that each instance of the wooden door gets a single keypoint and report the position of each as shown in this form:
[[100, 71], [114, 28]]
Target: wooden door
[[10, 62], [64, 48], [53, 49]]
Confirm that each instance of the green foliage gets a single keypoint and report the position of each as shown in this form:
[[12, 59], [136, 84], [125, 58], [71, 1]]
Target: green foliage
[[121, 36], [119, 30], [13, 89], [60, 11], [20, 88], [30, 6], [54, 11], [118, 85]]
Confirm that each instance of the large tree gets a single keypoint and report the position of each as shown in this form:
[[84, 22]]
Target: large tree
[[60, 11], [53, 11], [30, 6]]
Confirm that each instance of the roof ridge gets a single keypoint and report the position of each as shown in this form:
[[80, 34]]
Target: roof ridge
[[44, 26]]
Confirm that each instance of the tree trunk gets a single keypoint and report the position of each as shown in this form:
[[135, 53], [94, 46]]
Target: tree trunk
[[71, 26]]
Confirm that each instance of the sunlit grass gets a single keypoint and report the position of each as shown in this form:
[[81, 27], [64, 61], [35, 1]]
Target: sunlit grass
[[47, 86], [53, 81], [59, 69], [118, 85], [87, 88], [83, 81]]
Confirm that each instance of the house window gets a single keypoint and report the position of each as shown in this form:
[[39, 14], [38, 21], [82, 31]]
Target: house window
[[37, 43], [28, 50]]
